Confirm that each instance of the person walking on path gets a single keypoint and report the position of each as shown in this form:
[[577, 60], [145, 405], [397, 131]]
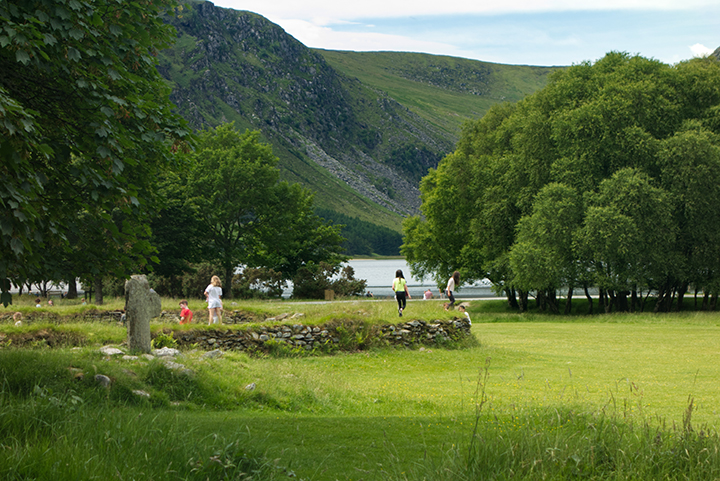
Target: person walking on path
[[453, 282], [213, 294], [401, 291]]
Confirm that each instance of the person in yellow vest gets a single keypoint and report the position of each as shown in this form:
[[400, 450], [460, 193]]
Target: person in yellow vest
[[401, 291]]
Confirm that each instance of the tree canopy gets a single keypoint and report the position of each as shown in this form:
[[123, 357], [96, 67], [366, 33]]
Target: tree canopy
[[245, 216], [606, 178], [85, 126]]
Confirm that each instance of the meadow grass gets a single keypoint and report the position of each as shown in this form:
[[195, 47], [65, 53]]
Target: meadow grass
[[539, 397]]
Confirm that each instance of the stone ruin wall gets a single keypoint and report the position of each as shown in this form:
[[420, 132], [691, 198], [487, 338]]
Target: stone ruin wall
[[415, 332]]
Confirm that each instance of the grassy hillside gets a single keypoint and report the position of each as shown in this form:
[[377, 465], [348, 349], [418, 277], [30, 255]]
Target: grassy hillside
[[361, 130], [443, 90]]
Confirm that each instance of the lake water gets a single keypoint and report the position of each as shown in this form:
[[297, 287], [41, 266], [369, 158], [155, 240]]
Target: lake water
[[379, 274]]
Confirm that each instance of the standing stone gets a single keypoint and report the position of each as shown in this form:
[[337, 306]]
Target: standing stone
[[141, 305]]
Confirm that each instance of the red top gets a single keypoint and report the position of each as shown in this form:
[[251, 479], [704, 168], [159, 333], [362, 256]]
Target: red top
[[186, 314]]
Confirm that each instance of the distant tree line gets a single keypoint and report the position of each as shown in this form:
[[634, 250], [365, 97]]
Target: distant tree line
[[362, 237], [607, 179]]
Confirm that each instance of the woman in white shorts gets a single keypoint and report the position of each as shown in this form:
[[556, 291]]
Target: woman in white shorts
[[213, 295]]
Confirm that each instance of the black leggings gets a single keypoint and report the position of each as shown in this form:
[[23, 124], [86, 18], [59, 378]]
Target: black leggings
[[400, 296], [452, 298]]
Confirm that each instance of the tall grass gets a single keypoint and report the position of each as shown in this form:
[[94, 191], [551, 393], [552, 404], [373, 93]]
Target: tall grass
[[571, 444], [583, 398], [58, 436]]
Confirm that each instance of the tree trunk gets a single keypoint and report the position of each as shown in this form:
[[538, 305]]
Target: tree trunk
[[511, 298], [98, 284], [72, 289], [602, 300], [611, 303], [523, 300], [589, 298], [541, 300], [659, 301], [553, 302], [621, 302], [706, 300], [634, 302], [568, 301], [713, 301], [681, 296]]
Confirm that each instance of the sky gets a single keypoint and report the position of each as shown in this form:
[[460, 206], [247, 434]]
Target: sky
[[518, 32]]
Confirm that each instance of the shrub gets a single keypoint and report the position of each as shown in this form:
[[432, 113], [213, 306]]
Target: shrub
[[312, 280], [258, 283], [164, 340]]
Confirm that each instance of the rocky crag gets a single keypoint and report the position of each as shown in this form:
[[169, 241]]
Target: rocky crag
[[237, 66]]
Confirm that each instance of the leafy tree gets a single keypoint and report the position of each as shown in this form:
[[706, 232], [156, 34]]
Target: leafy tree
[[248, 217], [85, 120], [629, 235], [293, 235], [543, 257], [690, 172], [605, 178], [229, 183], [312, 280], [176, 235], [259, 283]]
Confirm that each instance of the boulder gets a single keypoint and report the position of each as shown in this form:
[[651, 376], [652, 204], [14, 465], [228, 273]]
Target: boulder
[[110, 351]]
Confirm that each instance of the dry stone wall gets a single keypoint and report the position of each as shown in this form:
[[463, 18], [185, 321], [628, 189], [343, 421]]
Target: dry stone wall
[[415, 332]]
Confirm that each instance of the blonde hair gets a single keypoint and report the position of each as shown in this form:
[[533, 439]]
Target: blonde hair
[[215, 281]]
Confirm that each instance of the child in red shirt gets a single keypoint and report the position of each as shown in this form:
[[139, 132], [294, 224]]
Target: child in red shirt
[[186, 314]]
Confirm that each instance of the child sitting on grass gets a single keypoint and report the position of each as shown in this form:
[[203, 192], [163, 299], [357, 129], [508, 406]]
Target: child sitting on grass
[[186, 314]]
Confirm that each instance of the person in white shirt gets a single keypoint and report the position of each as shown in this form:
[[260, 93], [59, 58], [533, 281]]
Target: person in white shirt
[[213, 295], [453, 282]]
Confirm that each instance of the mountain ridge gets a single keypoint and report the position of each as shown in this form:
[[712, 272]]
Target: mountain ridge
[[362, 150]]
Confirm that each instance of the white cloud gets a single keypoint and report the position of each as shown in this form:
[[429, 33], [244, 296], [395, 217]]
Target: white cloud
[[700, 50], [328, 12], [316, 36], [531, 32]]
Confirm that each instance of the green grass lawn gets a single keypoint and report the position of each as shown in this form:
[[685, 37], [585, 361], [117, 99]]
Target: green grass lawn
[[410, 414]]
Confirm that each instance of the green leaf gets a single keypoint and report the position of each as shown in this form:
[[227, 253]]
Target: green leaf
[[73, 54], [22, 57], [76, 34], [17, 246], [6, 298], [103, 151]]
